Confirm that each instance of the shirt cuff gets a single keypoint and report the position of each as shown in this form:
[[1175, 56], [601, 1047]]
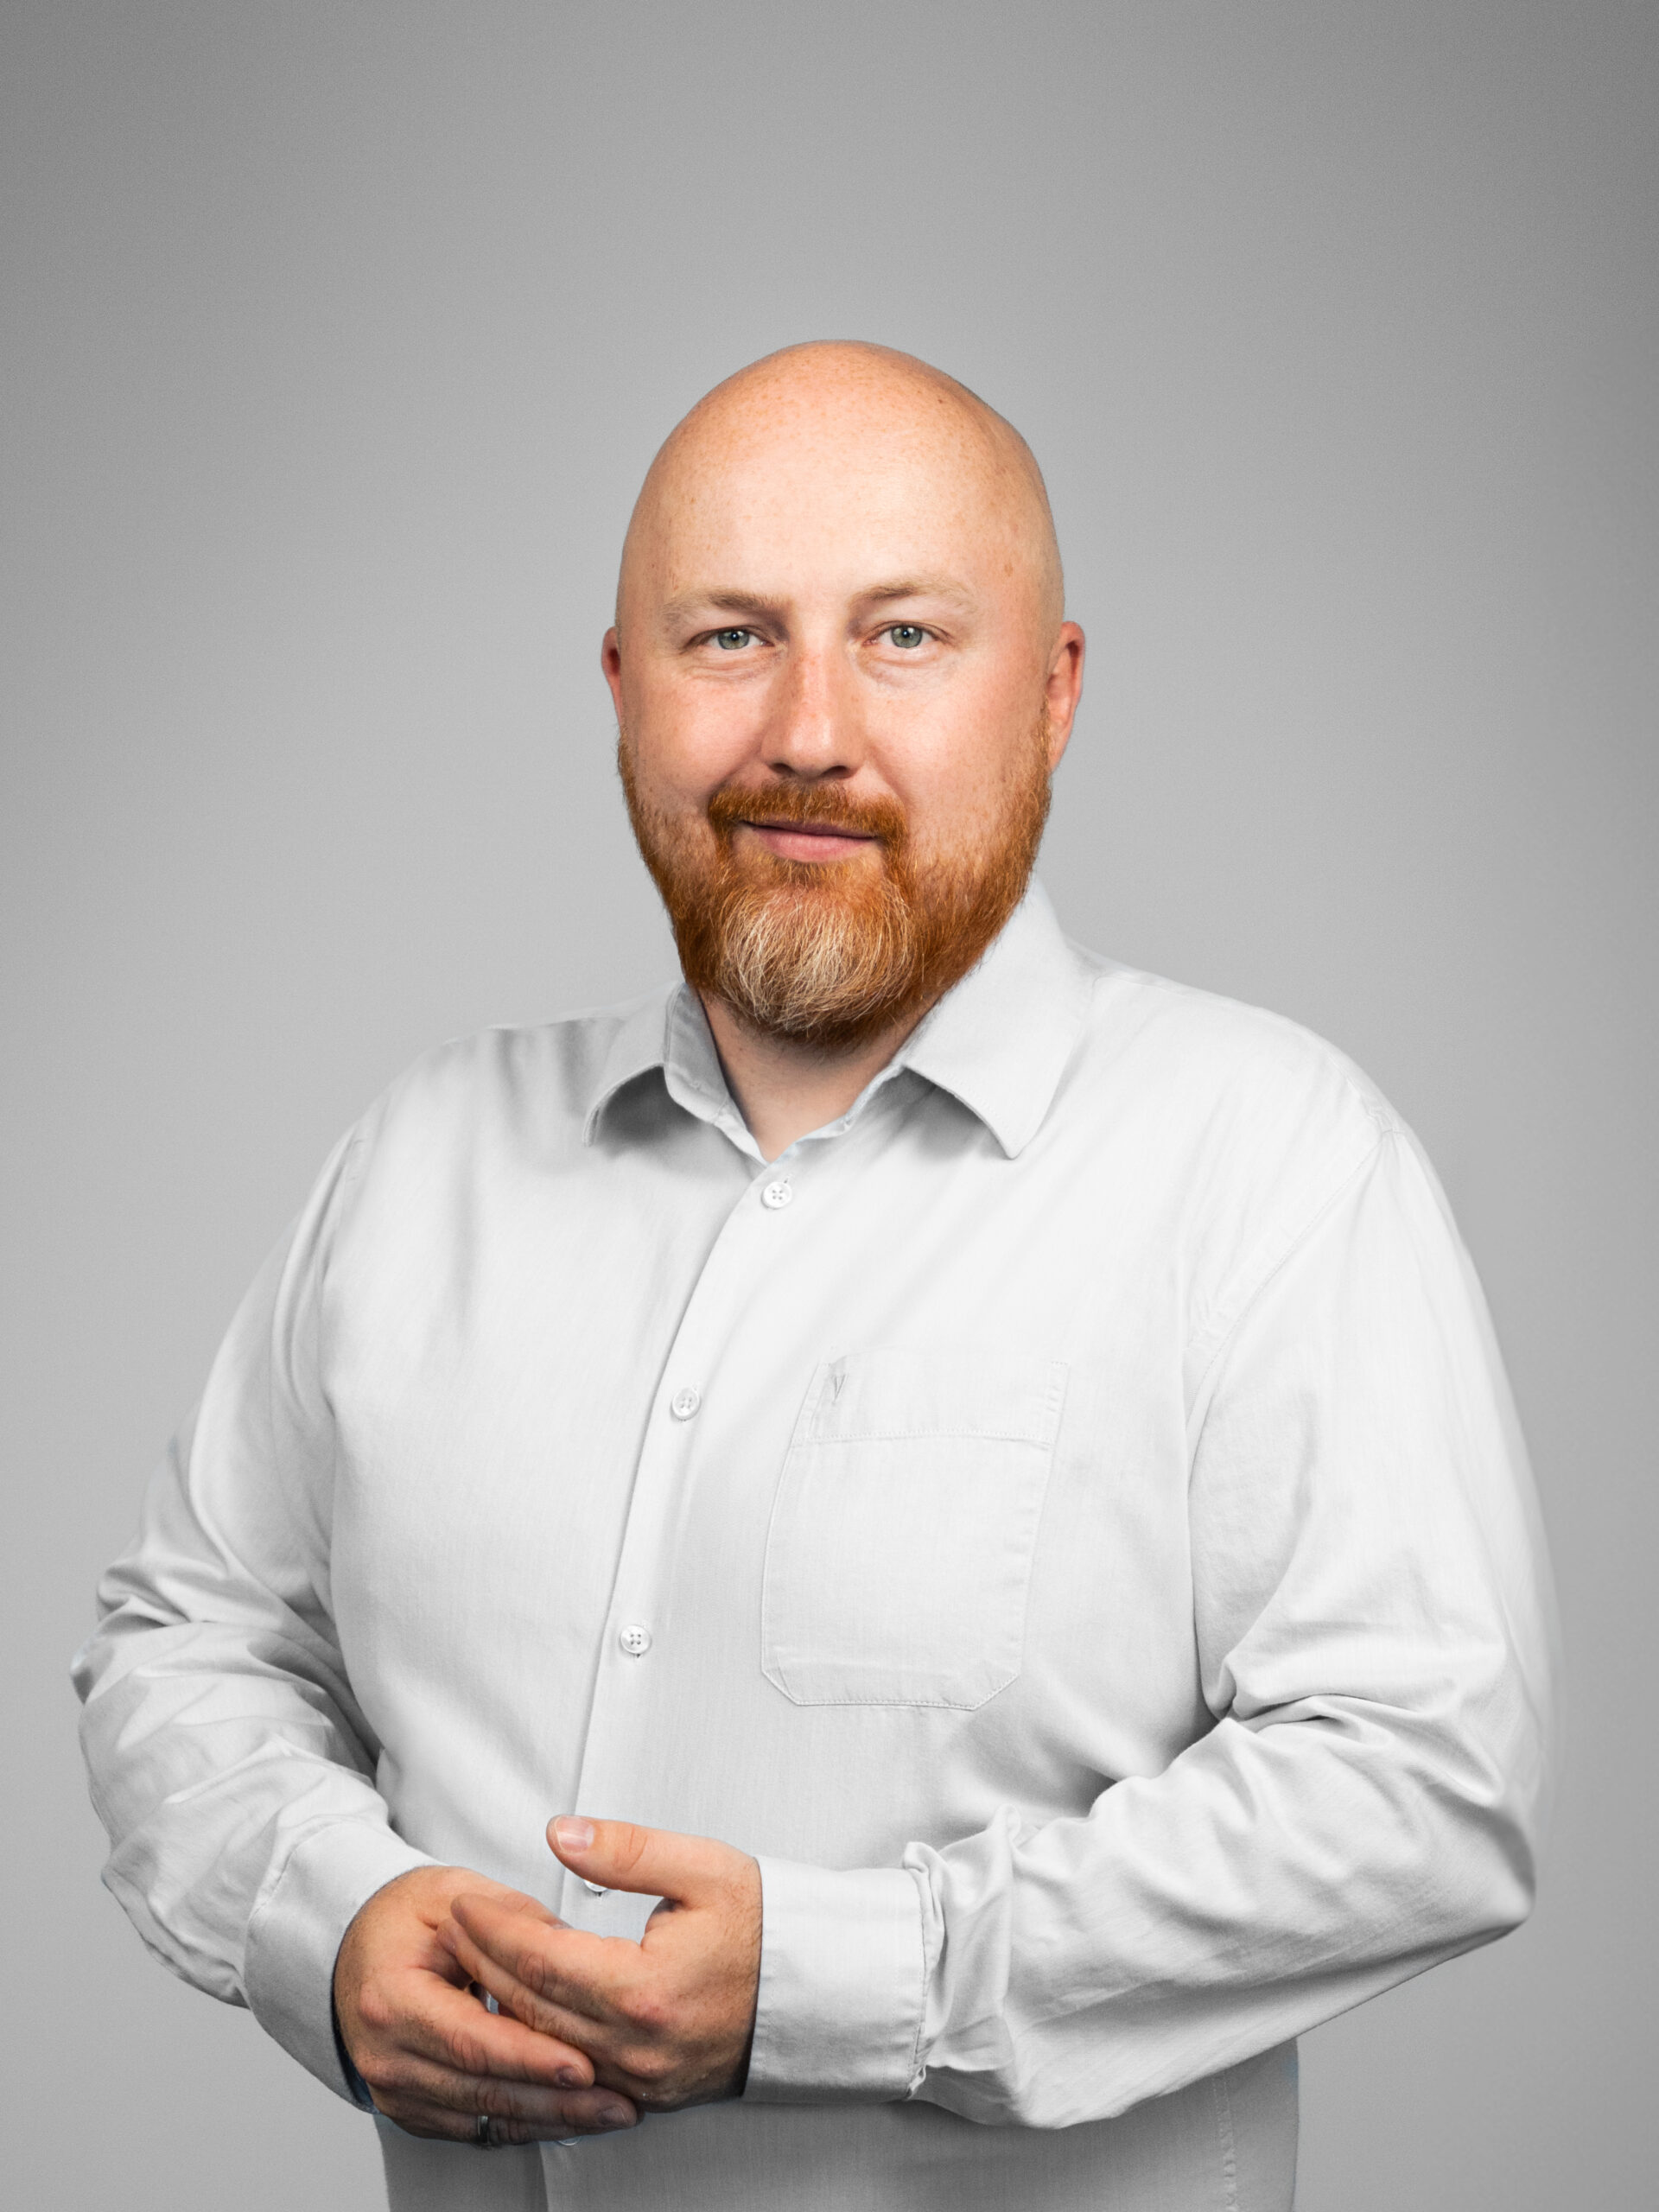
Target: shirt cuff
[[295, 1936], [843, 1976]]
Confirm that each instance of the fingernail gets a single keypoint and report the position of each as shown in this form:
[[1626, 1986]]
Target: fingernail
[[615, 2116], [573, 1833], [567, 2078]]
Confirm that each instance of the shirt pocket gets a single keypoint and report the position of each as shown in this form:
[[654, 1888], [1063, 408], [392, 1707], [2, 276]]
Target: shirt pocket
[[899, 1557]]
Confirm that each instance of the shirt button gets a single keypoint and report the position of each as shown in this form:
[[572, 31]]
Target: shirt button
[[777, 1194], [684, 1403], [634, 1639], [595, 1889]]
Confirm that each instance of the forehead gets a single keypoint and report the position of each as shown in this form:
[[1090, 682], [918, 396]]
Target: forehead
[[797, 496]]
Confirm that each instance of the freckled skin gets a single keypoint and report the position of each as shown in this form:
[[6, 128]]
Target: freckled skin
[[791, 505]]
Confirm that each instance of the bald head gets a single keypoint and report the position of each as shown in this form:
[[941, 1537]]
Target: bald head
[[837, 442], [842, 681]]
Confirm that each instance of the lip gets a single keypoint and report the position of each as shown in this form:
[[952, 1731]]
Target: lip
[[786, 839]]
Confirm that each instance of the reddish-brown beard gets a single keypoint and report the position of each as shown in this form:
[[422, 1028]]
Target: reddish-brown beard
[[830, 953]]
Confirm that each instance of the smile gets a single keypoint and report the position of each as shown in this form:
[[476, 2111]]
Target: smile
[[810, 840]]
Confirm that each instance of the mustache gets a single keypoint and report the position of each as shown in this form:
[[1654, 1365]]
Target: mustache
[[824, 806]]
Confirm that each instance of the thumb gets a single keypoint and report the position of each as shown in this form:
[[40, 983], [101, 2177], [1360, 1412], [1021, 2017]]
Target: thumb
[[685, 1869]]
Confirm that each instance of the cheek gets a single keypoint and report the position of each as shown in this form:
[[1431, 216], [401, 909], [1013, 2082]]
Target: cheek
[[690, 738], [955, 777]]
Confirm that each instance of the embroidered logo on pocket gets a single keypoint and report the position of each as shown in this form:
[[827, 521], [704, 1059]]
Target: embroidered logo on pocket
[[898, 1559]]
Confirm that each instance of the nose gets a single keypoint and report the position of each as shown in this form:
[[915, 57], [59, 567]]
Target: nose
[[811, 733]]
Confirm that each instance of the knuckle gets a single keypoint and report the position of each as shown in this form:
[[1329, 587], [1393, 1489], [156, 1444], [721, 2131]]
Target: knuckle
[[535, 1971], [467, 2051], [628, 1844], [375, 2007], [648, 2011], [648, 2065], [395, 2076]]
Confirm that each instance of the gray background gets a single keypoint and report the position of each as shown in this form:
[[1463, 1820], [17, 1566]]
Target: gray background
[[337, 339]]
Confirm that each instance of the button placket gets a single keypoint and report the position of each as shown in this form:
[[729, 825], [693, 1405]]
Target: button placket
[[739, 1256]]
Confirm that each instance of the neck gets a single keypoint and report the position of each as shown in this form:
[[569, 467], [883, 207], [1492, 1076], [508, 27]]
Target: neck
[[785, 1090]]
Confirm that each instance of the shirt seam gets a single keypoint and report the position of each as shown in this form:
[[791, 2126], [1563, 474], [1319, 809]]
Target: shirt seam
[[1292, 1245], [913, 2078], [1229, 2142], [907, 1704], [958, 1434]]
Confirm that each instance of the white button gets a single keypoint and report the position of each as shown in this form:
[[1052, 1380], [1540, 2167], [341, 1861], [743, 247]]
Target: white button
[[634, 1640], [595, 1889], [684, 1403], [777, 1194]]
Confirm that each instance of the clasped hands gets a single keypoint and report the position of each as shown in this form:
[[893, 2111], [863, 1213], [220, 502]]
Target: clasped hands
[[592, 2030]]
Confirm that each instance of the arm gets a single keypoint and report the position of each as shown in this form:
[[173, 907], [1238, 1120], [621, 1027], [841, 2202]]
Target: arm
[[1374, 1639], [234, 1771]]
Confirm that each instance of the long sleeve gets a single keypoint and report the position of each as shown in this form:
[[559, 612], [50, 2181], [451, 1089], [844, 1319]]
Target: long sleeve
[[230, 1764], [1374, 1640]]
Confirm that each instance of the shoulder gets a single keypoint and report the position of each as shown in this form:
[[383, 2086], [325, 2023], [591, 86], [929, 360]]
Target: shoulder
[[1250, 1125], [1224, 1064], [529, 1086]]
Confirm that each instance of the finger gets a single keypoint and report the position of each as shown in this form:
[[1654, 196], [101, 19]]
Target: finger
[[562, 1983], [455, 2102], [656, 1862], [513, 1905], [454, 2031], [528, 1909], [418, 2116], [417, 1934], [507, 1925], [432, 2121]]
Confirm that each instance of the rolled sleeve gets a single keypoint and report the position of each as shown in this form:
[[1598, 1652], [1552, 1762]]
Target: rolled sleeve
[[843, 1980]]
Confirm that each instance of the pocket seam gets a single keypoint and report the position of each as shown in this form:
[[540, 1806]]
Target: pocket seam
[[1041, 1436], [1039, 1443], [1043, 1432]]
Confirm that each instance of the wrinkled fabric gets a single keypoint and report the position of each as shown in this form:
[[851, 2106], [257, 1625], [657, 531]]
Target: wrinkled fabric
[[1066, 1518]]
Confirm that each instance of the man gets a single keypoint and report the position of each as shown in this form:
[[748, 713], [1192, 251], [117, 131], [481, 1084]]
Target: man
[[979, 1478]]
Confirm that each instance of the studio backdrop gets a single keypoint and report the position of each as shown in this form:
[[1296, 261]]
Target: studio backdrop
[[338, 337]]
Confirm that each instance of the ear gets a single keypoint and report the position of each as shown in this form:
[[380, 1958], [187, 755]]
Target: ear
[[1063, 689], [610, 660]]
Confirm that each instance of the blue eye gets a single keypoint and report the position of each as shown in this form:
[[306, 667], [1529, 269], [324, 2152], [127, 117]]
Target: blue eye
[[907, 636], [733, 641]]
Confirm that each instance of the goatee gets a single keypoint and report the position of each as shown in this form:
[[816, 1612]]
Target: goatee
[[832, 953]]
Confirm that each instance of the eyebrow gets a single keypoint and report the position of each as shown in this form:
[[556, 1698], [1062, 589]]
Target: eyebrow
[[687, 604], [946, 587]]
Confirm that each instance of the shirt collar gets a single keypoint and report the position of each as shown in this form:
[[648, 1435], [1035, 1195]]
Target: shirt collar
[[998, 1041], [1001, 1039], [639, 1043]]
